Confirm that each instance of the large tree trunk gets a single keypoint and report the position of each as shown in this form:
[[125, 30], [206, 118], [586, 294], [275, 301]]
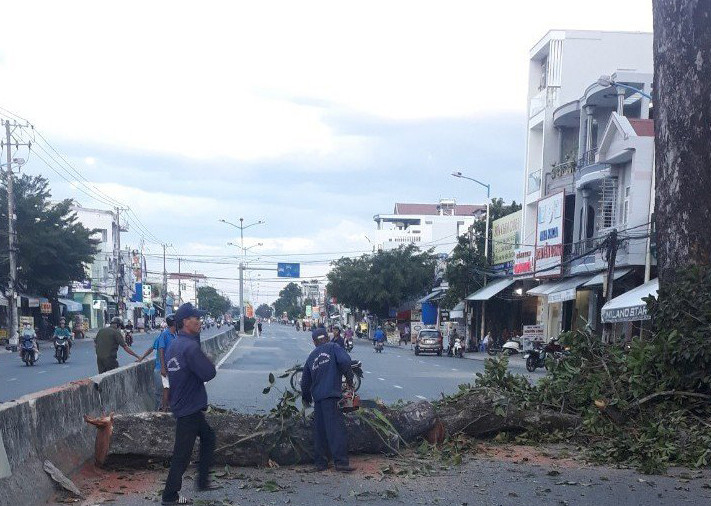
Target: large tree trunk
[[252, 440], [682, 113]]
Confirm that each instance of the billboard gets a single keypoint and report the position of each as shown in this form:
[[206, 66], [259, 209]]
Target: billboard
[[506, 236], [549, 235]]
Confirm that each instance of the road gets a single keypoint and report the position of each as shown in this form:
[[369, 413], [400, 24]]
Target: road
[[392, 375], [17, 380]]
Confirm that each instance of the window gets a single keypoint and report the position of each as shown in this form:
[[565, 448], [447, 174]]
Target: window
[[626, 206]]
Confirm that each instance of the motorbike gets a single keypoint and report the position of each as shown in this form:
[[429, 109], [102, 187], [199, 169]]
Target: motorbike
[[458, 348], [349, 344], [27, 350], [379, 346], [297, 370], [128, 337], [512, 346], [61, 349], [536, 357]]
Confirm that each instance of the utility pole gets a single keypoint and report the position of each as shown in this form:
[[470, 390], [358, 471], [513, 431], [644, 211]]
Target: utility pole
[[13, 319], [165, 281], [180, 285], [120, 305], [612, 246]]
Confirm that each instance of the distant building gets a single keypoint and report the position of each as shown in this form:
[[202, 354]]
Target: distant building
[[426, 225], [184, 286]]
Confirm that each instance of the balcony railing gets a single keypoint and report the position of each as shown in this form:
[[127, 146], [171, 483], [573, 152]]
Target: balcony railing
[[588, 158]]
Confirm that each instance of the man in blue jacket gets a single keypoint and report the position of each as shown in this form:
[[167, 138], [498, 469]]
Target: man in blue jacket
[[188, 370], [321, 383]]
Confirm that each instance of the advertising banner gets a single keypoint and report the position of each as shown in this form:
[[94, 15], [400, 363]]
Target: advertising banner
[[506, 236], [549, 236], [523, 261], [308, 312]]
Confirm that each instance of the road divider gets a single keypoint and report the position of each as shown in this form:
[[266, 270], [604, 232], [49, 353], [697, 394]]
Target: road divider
[[49, 425]]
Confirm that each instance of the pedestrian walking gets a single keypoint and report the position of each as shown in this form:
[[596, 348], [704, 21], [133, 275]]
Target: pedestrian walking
[[160, 372], [321, 384], [107, 343], [188, 370]]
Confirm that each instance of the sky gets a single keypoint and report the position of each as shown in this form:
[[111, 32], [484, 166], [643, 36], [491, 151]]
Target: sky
[[312, 116]]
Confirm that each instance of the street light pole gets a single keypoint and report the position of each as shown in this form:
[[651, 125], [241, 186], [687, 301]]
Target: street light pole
[[242, 267], [486, 239]]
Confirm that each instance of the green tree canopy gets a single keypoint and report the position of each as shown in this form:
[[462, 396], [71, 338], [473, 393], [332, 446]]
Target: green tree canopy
[[264, 311], [383, 280], [212, 301], [466, 264], [53, 248], [288, 301]]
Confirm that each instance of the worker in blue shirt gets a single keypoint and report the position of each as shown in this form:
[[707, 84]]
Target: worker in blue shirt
[[160, 372], [321, 383], [188, 370]]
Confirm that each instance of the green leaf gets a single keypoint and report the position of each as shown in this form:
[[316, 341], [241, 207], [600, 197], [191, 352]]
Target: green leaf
[[266, 390], [272, 379]]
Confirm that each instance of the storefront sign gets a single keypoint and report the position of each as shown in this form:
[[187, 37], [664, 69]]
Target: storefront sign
[[249, 311], [147, 294], [506, 236], [626, 314], [523, 261], [549, 236], [46, 307], [563, 295], [534, 332]]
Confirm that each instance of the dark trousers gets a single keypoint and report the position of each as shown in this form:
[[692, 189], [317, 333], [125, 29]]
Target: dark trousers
[[329, 434], [187, 428]]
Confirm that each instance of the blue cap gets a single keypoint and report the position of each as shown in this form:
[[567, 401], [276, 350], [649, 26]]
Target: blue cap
[[186, 311]]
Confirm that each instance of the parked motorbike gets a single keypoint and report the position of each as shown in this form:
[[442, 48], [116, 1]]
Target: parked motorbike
[[297, 370], [349, 344], [536, 357], [61, 349], [512, 346], [28, 354], [379, 346]]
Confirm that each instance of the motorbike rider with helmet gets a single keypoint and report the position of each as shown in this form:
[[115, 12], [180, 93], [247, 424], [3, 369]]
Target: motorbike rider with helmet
[[337, 337], [28, 333], [63, 332]]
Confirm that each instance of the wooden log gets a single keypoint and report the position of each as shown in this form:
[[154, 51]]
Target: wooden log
[[253, 440]]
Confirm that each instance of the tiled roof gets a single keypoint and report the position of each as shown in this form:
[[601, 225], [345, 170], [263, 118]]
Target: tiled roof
[[643, 127]]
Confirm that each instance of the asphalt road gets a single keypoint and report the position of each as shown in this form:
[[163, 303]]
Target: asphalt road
[[394, 374], [16, 379]]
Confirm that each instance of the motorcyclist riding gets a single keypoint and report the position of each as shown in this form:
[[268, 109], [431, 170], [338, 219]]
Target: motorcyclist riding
[[28, 333], [379, 335], [62, 332], [337, 338]]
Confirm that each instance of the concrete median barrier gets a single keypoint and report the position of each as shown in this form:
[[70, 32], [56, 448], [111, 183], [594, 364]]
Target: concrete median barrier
[[49, 424]]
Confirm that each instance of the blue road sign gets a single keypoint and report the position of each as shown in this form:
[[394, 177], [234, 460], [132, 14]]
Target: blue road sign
[[288, 270]]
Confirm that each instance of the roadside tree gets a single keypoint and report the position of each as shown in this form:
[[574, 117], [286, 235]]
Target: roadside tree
[[381, 281], [53, 248], [212, 301], [264, 311]]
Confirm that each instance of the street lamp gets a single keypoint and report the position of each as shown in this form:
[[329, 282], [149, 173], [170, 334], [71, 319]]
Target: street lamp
[[242, 228], [488, 198], [606, 81]]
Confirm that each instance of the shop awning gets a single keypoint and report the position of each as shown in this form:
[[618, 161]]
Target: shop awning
[[629, 306], [434, 295], [566, 289], [72, 305], [599, 278], [491, 289], [559, 291]]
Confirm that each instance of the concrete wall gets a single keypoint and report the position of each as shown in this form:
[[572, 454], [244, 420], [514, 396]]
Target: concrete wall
[[49, 424]]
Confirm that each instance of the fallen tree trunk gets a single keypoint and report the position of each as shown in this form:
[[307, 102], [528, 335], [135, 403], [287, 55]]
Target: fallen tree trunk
[[253, 440]]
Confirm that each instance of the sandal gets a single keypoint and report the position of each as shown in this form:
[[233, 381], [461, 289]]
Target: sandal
[[180, 500]]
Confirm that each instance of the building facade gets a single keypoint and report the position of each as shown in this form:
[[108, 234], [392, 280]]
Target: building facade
[[588, 171], [426, 225]]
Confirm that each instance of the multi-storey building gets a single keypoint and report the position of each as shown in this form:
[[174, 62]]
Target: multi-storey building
[[426, 225], [589, 170]]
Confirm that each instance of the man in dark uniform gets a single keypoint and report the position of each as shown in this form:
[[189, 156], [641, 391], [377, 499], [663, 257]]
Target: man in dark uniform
[[337, 337], [321, 383]]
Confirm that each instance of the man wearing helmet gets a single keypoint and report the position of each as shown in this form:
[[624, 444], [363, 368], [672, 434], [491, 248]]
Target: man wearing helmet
[[160, 373], [61, 331], [107, 342]]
